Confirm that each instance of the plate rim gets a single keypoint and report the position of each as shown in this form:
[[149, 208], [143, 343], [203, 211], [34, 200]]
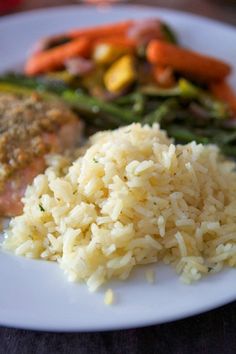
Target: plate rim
[[130, 325]]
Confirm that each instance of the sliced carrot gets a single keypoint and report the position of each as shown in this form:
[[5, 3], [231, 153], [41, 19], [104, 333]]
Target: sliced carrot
[[163, 75], [187, 62], [223, 91], [54, 58], [120, 41], [92, 33], [107, 30]]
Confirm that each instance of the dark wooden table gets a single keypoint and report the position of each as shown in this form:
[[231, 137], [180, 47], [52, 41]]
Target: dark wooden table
[[210, 333], [213, 332]]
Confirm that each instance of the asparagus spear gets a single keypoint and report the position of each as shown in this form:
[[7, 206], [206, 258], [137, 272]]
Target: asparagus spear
[[155, 91], [188, 91], [216, 108], [185, 135], [135, 99], [167, 108], [25, 91], [93, 106], [39, 83], [111, 115], [229, 150], [84, 104], [169, 34]]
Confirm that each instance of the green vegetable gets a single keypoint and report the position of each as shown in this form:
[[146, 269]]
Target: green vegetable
[[188, 90], [139, 104], [185, 135], [40, 83], [222, 137], [101, 113], [155, 91], [126, 99], [141, 51], [186, 111], [216, 108], [58, 41], [229, 150], [25, 91], [167, 108], [94, 107], [41, 208], [169, 33], [135, 100]]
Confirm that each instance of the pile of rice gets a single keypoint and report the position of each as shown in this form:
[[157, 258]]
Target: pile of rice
[[131, 198]]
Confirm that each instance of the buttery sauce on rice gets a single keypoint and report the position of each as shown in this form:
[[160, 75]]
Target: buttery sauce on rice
[[132, 197]]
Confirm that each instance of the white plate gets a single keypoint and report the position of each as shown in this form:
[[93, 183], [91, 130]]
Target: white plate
[[36, 294]]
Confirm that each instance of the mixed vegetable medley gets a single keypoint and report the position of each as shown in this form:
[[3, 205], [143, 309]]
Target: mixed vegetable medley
[[134, 71]]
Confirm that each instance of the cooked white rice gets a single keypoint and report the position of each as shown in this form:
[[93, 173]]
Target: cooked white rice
[[133, 197], [109, 297]]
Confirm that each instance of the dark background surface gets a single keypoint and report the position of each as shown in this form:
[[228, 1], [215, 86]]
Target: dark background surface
[[213, 332], [223, 10]]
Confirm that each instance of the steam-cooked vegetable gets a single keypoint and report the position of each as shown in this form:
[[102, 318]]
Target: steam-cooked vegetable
[[105, 53], [93, 107], [120, 74], [186, 111], [54, 58], [168, 33], [134, 71], [224, 92], [187, 62]]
